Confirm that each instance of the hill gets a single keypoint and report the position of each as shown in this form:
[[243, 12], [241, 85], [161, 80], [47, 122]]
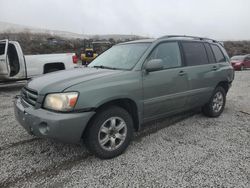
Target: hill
[[237, 47], [37, 41], [6, 27]]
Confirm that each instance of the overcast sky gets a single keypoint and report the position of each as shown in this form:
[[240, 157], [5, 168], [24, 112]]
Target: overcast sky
[[219, 19]]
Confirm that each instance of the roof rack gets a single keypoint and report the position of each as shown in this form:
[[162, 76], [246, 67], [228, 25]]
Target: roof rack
[[186, 36]]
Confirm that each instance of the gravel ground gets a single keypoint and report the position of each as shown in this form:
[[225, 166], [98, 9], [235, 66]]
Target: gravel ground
[[187, 150]]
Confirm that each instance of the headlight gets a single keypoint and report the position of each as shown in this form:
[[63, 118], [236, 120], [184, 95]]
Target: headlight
[[61, 101]]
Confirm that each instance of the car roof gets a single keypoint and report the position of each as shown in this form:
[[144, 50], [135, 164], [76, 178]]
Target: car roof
[[139, 41], [174, 37]]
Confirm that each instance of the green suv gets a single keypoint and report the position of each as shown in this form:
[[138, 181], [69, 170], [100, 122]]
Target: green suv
[[126, 86]]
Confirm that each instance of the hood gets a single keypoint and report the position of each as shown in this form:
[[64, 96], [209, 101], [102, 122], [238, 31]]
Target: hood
[[61, 80]]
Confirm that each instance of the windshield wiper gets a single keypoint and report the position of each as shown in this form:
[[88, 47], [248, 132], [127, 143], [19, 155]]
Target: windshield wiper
[[104, 67]]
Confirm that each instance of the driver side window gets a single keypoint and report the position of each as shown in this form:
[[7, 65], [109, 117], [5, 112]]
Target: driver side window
[[169, 53]]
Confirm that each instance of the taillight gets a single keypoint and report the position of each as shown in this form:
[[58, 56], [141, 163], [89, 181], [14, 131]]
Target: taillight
[[75, 59]]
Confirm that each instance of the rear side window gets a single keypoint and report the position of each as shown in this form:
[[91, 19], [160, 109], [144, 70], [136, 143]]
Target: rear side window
[[210, 54], [169, 53], [218, 54], [195, 53]]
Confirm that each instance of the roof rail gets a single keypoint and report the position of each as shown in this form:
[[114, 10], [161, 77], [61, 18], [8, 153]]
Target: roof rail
[[186, 36]]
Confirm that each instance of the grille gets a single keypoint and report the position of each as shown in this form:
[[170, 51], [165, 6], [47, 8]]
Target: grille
[[30, 96]]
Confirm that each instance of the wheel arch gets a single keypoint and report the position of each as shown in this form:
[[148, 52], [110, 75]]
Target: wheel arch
[[225, 85], [126, 103]]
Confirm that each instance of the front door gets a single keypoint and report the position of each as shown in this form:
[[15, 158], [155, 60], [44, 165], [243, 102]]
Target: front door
[[165, 90]]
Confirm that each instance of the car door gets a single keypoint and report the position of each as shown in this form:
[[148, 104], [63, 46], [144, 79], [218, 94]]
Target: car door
[[201, 69], [4, 66], [165, 90]]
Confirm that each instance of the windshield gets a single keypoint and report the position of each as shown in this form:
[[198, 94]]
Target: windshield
[[123, 56], [237, 57]]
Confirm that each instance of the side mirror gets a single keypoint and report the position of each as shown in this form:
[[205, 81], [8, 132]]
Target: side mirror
[[154, 65]]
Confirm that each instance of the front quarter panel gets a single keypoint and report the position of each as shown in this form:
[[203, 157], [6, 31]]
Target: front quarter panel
[[94, 93]]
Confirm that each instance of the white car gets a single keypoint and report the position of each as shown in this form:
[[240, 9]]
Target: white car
[[15, 66]]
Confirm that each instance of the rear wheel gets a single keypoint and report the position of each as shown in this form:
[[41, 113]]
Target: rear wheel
[[110, 133], [216, 104]]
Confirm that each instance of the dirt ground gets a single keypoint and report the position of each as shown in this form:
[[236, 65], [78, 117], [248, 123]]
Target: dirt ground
[[188, 150]]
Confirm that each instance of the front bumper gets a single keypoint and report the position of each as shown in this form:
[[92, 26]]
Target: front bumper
[[66, 127]]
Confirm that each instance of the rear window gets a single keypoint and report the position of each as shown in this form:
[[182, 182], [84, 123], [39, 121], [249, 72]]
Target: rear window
[[218, 54], [2, 48], [195, 53]]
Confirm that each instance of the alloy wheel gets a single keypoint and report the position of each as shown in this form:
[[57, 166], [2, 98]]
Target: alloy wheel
[[217, 102], [112, 133]]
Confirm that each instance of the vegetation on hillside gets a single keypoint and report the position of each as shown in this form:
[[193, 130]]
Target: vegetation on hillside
[[237, 47], [32, 43], [46, 43]]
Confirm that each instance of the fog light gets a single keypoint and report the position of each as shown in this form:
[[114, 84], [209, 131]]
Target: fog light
[[43, 128]]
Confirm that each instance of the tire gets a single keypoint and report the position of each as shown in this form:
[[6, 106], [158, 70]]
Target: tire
[[105, 137], [216, 104]]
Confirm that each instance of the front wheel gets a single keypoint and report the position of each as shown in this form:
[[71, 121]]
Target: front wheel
[[110, 132], [216, 104]]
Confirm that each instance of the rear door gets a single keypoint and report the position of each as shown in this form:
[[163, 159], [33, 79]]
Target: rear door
[[200, 68], [4, 66], [165, 90]]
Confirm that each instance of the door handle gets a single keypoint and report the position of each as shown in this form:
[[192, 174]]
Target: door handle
[[181, 73], [214, 68]]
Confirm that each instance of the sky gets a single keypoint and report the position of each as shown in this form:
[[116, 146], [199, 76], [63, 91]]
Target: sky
[[218, 19]]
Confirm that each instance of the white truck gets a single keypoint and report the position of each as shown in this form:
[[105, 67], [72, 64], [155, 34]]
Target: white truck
[[14, 65]]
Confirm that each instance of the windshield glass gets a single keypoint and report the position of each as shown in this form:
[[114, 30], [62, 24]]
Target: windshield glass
[[123, 56], [237, 58]]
